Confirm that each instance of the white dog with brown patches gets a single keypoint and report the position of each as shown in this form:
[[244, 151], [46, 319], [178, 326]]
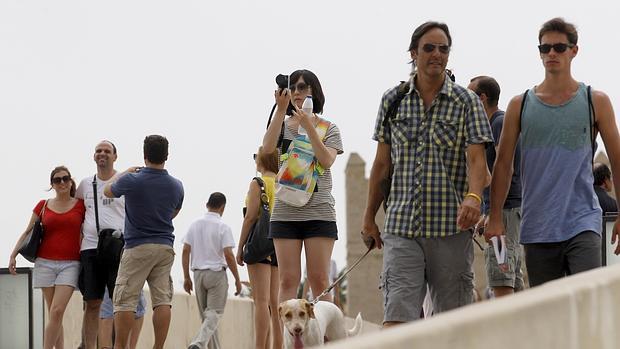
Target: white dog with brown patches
[[307, 325]]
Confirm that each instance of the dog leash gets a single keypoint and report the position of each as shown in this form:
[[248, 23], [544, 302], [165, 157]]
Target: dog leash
[[327, 290]]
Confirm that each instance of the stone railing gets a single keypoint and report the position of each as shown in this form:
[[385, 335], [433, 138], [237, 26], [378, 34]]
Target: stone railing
[[582, 311]]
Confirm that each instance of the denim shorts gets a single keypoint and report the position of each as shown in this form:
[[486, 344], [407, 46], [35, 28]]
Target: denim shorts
[[49, 273], [301, 230], [107, 310]]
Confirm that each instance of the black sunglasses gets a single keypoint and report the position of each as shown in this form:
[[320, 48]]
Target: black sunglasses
[[57, 180], [302, 87], [428, 48], [559, 48], [254, 156]]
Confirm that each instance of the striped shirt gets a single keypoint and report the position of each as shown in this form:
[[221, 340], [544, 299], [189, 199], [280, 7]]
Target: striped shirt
[[321, 204], [428, 153]]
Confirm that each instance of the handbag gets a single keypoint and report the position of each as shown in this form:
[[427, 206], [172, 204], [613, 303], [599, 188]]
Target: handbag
[[259, 246], [31, 243], [110, 242]]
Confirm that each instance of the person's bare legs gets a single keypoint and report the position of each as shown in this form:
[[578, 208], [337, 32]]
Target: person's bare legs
[[289, 266], [48, 294], [318, 260], [134, 335], [259, 279], [501, 291], [90, 323], [59, 298], [161, 324], [276, 328], [104, 336], [122, 326]]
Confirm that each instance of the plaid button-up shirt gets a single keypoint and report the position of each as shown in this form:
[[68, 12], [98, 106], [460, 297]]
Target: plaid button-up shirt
[[428, 151]]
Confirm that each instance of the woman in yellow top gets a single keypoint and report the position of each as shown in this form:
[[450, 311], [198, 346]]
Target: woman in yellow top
[[264, 274]]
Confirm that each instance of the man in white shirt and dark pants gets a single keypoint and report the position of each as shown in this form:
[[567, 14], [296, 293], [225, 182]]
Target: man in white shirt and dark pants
[[209, 243]]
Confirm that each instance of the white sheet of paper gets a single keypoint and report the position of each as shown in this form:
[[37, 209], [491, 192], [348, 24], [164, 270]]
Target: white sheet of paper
[[500, 251]]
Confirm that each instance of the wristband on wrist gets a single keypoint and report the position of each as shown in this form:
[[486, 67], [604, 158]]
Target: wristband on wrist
[[475, 196]]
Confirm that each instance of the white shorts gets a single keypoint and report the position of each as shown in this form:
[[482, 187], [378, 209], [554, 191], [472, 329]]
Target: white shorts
[[49, 273]]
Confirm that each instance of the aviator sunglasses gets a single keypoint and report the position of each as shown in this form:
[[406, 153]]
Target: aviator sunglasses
[[559, 48], [428, 48], [57, 180]]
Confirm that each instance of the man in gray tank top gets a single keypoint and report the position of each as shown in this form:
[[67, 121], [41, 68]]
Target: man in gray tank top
[[557, 124]]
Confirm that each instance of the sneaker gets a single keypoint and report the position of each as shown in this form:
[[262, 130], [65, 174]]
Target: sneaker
[[193, 346]]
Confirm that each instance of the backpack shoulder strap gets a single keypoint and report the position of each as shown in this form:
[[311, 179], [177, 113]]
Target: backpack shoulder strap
[[403, 89], [592, 115], [521, 110]]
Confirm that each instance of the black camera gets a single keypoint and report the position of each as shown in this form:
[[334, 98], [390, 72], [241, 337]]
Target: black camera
[[282, 81]]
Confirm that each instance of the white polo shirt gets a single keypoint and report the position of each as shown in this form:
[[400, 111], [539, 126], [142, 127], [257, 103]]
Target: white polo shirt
[[208, 236]]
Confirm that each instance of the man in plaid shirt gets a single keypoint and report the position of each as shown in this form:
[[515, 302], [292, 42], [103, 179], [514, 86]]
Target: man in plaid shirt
[[436, 144]]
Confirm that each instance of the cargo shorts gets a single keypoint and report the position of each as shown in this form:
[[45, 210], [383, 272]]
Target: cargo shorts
[[144, 263], [513, 276], [443, 264]]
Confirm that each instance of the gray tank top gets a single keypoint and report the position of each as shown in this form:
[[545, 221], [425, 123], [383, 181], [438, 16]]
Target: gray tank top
[[556, 170]]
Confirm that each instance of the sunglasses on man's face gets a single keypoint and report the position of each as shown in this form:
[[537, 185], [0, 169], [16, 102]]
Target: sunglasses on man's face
[[254, 156], [300, 86], [57, 180], [559, 48], [428, 48]]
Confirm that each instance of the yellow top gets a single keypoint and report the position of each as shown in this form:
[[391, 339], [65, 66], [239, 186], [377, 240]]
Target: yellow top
[[270, 189]]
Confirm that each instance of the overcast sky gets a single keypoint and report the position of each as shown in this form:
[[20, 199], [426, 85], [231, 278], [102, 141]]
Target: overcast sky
[[202, 74]]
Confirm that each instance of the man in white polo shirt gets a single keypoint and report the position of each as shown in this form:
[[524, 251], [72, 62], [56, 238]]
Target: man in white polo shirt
[[209, 243]]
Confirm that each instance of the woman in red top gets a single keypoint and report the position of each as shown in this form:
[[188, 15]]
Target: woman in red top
[[57, 266]]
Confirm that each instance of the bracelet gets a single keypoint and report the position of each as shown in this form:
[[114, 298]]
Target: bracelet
[[475, 196]]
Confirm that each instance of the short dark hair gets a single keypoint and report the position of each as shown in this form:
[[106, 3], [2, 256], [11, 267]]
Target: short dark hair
[[318, 99], [488, 86], [112, 144], [216, 200], [156, 149], [559, 25], [601, 172], [419, 32]]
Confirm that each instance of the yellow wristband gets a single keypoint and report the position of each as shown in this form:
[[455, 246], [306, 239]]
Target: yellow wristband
[[475, 196]]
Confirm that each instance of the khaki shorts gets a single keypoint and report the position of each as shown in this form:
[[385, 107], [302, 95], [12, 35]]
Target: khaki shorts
[[150, 263]]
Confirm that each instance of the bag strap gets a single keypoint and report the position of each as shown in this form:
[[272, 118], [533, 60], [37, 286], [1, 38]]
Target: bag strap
[[43, 211], [96, 199], [263, 195]]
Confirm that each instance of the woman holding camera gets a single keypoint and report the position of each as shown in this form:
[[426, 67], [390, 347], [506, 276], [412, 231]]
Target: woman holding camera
[[312, 226], [264, 274], [57, 266]]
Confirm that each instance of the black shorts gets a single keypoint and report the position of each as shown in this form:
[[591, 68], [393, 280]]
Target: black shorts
[[95, 277], [303, 229], [271, 260]]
